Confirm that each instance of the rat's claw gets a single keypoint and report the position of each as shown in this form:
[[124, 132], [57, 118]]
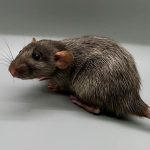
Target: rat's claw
[[42, 78], [94, 110], [53, 87]]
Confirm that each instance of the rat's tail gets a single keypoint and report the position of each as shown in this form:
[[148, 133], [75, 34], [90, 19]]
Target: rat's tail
[[143, 109], [140, 108]]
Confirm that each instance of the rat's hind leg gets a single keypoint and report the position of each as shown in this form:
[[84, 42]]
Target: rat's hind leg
[[94, 110]]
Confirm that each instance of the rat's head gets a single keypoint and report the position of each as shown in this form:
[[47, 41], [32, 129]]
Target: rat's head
[[40, 59]]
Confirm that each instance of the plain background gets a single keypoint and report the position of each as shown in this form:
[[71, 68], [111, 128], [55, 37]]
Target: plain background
[[32, 118], [124, 20]]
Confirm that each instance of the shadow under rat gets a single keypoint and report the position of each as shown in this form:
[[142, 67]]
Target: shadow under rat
[[37, 98]]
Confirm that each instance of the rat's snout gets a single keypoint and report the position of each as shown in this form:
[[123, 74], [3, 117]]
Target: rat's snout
[[17, 71], [12, 71]]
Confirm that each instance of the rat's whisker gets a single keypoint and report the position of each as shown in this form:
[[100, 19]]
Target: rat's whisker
[[6, 61], [5, 54], [9, 49], [5, 64], [5, 57]]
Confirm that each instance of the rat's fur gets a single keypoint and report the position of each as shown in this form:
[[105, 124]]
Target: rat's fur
[[102, 74]]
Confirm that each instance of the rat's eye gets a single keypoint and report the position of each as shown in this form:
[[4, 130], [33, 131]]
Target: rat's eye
[[36, 56]]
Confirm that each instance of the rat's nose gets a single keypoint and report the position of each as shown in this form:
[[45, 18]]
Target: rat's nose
[[13, 72]]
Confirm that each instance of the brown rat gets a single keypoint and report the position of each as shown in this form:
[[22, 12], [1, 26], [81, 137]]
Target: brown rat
[[101, 74]]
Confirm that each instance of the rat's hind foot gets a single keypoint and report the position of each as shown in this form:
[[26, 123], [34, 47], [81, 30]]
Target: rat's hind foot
[[94, 110]]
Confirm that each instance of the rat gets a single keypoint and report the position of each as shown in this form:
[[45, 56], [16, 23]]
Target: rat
[[99, 73]]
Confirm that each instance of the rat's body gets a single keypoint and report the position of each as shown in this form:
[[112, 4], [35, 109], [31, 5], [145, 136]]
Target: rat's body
[[101, 74]]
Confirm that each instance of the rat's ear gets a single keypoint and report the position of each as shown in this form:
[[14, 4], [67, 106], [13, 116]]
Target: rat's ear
[[63, 59], [33, 40]]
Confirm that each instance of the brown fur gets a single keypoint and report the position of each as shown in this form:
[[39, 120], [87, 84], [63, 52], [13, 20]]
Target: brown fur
[[101, 74]]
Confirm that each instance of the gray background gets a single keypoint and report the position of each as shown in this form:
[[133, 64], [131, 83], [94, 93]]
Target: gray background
[[31, 117], [124, 20]]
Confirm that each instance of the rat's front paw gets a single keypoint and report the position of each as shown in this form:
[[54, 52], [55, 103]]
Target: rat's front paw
[[53, 87]]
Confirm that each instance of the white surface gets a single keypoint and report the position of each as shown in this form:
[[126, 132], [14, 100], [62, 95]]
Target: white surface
[[31, 118]]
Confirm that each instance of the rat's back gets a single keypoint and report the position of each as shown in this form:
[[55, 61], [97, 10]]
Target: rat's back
[[105, 75], [87, 46]]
